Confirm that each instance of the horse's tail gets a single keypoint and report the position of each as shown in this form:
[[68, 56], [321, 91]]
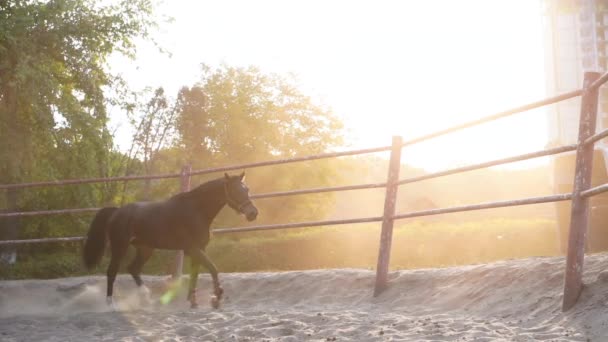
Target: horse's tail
[[96, 237]]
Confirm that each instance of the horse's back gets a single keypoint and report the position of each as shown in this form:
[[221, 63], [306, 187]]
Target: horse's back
[[163, 225]]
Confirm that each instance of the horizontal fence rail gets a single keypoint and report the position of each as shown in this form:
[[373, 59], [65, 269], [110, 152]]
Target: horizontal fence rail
[[253, 196], [222, 230], [86, 181], [319, 190], [521, 157], [594, 191], [499, 115], [49, 212], [430, 212], [597, 137], [296, 225], [196, 172], [598, 83], [294, 160], [489, 205], [45, 240]]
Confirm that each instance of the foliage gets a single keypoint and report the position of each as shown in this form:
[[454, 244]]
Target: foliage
[[55, 91], [154, 123], [54, 82], [242, 115], [52, 79]]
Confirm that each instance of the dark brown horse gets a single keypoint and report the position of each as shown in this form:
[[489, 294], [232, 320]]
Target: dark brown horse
[[179, 223]]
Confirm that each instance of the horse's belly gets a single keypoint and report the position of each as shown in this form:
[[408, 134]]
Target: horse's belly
[[163, 234], [163, 239], [158, 243]]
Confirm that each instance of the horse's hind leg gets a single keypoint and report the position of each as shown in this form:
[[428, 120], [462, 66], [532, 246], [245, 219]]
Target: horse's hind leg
[[142, 255], [119, 249]]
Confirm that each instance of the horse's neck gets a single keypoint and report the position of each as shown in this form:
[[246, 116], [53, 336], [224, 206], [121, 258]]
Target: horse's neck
[[210, 199]]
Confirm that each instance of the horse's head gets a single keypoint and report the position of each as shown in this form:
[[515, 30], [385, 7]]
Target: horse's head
[[237, 196]]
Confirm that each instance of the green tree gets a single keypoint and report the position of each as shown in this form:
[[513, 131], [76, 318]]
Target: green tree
[[154, 124], [241, 115], [52, 78], [54, 82]]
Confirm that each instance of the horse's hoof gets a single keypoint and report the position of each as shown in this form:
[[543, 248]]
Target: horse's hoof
[[193, 305], [110, 304], [215, 302], [144, 295], [219, 291]]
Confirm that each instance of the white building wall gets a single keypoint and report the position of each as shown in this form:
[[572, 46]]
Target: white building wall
[[575, 42]]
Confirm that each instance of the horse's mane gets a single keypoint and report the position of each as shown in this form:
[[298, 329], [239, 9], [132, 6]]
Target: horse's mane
[[208, 185], [203, 188]]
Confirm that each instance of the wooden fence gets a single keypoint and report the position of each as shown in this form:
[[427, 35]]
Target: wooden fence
[[579, 197]]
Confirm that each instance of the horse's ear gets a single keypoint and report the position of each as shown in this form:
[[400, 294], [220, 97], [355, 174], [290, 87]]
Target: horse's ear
[[226, 176], [242, 176]]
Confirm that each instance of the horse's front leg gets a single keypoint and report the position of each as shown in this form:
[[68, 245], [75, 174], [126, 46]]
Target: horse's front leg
[[194, 266], [217, 289]]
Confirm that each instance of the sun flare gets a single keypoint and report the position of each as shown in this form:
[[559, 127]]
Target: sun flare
[[385, 67]]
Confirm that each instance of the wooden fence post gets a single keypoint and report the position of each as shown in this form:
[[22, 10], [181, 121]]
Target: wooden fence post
[[185, 186], [386, 236], [573, 283], [9, 228]]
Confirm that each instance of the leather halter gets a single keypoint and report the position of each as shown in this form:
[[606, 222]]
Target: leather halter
[[234, 204]]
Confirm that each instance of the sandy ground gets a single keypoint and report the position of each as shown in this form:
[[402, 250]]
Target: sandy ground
[[517, 300]]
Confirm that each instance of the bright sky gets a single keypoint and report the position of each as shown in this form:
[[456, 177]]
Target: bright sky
[[385, 67]]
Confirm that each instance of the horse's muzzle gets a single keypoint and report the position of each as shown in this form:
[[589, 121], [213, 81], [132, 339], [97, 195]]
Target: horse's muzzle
[[251, 212]]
